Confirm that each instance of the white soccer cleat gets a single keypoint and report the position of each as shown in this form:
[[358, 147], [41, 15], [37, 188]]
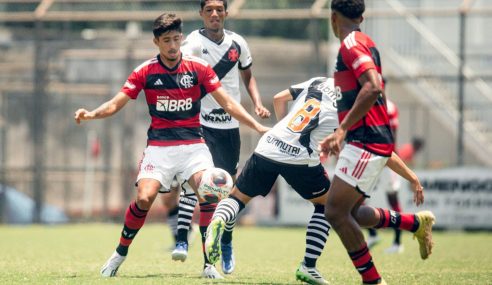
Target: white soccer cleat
[[395, 248], [211, 272], [180, 252], [110, 268], [310, 275]]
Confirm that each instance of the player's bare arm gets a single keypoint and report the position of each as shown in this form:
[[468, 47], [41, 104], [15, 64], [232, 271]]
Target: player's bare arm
[[399, 167], [371, 89], [280, 101], [105, 110], [236, 110], [250, 84]]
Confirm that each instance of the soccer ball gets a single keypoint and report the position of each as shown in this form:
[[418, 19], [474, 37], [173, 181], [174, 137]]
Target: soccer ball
[[215, 185]]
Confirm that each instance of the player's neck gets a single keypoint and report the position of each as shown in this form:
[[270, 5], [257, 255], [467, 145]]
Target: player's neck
[[347, 29], [170, 64], [216, 36]]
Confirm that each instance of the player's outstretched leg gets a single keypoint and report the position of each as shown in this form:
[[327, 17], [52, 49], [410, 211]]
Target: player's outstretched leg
[[420, 224], [185, 215], [134, 220], [226, 212], [316, 235]]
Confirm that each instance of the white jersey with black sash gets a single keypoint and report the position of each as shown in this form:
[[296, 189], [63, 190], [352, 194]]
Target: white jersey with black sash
[[225, 57], [313, 116]]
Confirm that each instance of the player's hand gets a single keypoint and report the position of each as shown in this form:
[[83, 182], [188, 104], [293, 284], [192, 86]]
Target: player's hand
[[418, 193], [262, 129], [82, 115], [262, 112], [331, 145]]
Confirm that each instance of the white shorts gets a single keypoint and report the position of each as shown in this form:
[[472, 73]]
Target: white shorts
[[359, 168], [388, 181], [163, 163]]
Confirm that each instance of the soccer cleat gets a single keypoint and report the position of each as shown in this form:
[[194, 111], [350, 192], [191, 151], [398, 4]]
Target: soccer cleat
[[180, 252], [228, 262], [372, 241], [110, 268], [424, 232], [309, 275], [212, 242], [380, 283], [210, 272], [395, 248]]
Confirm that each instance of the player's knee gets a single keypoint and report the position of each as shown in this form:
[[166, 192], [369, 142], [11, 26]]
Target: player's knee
[[333, 216], [144, 201]]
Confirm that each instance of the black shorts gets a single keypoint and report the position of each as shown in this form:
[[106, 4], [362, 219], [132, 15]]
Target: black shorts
[[224, 146], [259, 175]]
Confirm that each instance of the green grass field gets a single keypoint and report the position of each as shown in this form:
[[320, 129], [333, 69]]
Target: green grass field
[[73, 254]]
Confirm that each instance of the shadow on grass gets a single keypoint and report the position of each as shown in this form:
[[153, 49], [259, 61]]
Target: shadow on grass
[[206, 281]]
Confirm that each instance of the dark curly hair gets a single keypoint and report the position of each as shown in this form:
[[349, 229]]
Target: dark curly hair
[[203, 2], [351, 9]]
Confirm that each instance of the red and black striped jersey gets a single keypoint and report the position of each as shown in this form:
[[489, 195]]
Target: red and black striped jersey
[[358, 54], [173, 98]]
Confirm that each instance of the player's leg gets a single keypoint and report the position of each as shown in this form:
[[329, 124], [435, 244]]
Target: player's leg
[[225, 148], [420, 224], [154, 171], [356, 171], [187, 203], [312, 184], [134, 220], [197, 158], [257, 178]]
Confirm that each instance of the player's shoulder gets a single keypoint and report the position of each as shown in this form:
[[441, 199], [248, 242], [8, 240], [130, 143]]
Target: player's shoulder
[[195, 60], [147, 64], [194, 35], [356, 38]]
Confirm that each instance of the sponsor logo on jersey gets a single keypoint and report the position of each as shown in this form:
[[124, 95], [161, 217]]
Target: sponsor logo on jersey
[[149, 168], [233, 55], [158, 82], [204, 51], [217, 116], [186, 81], [283, 147], [165, 104]]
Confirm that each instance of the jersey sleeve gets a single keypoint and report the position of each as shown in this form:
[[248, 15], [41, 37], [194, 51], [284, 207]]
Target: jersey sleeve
[[210, 80], [191, 46], [245, 59], [134, 84], [358, 58]]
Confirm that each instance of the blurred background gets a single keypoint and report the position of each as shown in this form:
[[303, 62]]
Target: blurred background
[[59, 55]]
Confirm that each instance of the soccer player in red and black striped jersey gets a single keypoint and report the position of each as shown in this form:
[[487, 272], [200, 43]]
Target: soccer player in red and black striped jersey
[[364, 125], [173, 85]]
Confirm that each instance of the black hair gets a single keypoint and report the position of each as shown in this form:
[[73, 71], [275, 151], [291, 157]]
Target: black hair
[[204, 2], [165, 23], [351, 9]]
